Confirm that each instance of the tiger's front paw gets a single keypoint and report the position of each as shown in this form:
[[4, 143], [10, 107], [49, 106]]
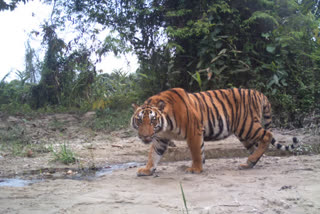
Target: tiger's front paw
[[145, 172], [194, 170], [248, 165]]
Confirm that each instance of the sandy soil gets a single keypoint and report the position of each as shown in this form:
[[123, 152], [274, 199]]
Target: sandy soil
[[278, 184]]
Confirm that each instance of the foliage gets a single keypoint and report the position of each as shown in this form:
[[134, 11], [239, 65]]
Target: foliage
[[114, 91], [64, 155], [13, 97], [10, 5], [111, 120], [113, 95], [271, 46]]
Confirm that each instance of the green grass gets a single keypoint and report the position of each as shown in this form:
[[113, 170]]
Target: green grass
[[14, 141], [65, 155], [111, 120], [184, 199], [57, 125]]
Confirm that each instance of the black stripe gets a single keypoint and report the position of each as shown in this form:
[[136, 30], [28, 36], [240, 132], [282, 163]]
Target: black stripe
[[220, 122], [159, 151], [240, 109], [162, 123], [200, 106], [245, 115], [255, 134], [211, 112], [226, 115], [230, 106], [266, 126], [175, 120], [208, 115], [170, 122], [287, 148], [187, 109], [257, 108], [161, 146], [264, 133], [250, 146], [273, 141], [169, 98], [254, 101], [254, 163], [236, 109], [251, 116], [250, 129]]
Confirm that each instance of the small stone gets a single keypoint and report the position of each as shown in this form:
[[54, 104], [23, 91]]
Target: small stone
[[29, 153], [69, 172]]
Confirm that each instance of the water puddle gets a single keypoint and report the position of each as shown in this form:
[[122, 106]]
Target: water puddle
[[109, 169], [15, 182], [35, 176]]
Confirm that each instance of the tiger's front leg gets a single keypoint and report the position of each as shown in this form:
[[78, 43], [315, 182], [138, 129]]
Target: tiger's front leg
[[196, 146], [157, 149]]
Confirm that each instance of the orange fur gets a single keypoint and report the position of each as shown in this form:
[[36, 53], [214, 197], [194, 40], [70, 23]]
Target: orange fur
[[204, 116]]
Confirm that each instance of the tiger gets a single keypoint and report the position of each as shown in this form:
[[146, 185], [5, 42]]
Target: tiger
[[211, 115]]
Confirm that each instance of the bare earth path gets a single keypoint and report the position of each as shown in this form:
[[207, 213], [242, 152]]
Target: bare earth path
[[278, 184]]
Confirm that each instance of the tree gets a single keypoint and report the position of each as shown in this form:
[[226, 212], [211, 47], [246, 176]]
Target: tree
[[10, 6], [31, 63]]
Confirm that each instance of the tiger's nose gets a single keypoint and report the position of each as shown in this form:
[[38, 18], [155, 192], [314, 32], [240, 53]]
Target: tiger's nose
[[145, 139]]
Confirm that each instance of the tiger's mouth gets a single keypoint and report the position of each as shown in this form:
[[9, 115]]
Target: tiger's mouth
[[146, 139]]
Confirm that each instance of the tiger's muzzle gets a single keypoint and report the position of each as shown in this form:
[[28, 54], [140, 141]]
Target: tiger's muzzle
[[146, 139]]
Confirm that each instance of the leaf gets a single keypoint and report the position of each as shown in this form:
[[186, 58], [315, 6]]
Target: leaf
[[214, 59], [265, 35], [143, 75], [218, 45], [223, 51], [271, 48], [221, 69], [198, 78]]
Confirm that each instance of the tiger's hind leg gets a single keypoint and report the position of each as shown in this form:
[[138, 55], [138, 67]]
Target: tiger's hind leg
[[196, 146], [263, 138], [157, 149], [250, 146]]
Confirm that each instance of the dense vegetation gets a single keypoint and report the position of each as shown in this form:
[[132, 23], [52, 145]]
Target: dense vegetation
[[271, 46]]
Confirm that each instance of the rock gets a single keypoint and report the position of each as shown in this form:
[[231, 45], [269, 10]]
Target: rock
[[12, 119]]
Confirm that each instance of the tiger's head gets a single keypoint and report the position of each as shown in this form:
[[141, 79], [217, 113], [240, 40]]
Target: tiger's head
[[148, 120]]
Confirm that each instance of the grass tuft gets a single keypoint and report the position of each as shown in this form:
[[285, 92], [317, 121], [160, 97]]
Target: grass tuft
[[65, 155]]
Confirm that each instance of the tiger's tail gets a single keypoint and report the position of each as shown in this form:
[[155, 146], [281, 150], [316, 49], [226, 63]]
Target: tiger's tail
[[289, 148], [267, 123]]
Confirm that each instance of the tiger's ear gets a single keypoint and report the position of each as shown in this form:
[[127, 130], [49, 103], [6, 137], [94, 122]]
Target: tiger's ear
[[135, 106], [161, 104]]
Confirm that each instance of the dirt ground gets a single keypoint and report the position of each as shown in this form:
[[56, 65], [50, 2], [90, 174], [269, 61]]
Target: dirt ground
[[279, 183]]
